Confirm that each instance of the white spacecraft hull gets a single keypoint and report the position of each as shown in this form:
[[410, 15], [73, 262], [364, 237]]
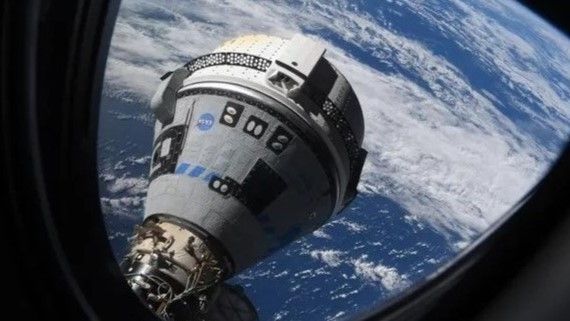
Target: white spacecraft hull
[[255, 145]]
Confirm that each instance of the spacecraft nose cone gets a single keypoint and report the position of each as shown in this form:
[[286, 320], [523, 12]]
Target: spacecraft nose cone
[[256, 144]]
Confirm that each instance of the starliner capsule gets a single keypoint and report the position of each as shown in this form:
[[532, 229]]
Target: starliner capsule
[[256, 144]]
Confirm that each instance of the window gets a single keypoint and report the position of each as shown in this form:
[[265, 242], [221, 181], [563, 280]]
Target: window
[[465, 108]]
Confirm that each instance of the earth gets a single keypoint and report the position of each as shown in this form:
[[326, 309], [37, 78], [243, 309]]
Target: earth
[[466, 106]]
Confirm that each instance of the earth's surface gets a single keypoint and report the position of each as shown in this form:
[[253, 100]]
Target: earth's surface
[[466, 105]]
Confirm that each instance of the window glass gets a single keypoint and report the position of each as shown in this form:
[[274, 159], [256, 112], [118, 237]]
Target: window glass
[[466, 105]]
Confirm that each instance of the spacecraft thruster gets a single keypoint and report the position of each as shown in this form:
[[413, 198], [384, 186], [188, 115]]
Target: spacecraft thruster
[[255, 145]]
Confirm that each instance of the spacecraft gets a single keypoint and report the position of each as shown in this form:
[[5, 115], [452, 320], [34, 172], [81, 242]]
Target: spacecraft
[[255, 145]]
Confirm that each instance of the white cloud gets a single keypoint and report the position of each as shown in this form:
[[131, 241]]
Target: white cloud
[[280, 315], [438, 146], [321, 234], [128, 206], [514, 55], [130, 185], [388, 277], [140, 161], [329, 257], [350, 226], [338, 316]]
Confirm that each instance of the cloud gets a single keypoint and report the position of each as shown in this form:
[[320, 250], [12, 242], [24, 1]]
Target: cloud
[[329, 257], [320, 233], [338, 316], [388, 277], [519, 58], [130, 185], [350, 226], [438, 145], [128, 206]]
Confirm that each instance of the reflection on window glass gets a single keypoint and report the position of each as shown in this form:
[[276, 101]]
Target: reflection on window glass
[[465, 106]]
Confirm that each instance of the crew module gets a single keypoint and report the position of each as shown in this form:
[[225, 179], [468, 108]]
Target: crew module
[[255, 145]]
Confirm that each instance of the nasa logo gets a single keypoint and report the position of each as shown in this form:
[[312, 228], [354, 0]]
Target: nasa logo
[[205, 122]]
